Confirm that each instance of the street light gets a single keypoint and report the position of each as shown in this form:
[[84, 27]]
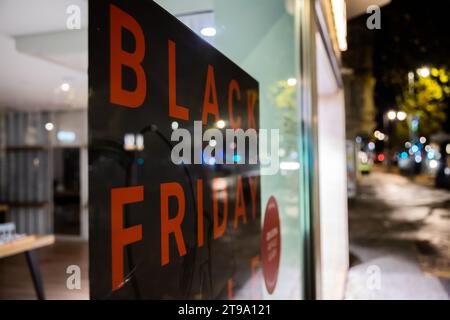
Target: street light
[[423, 72], [379, 135], [411, 82], [392, 115], [401, 115]]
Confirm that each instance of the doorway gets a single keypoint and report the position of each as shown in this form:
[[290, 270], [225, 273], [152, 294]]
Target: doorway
[[66, 191]]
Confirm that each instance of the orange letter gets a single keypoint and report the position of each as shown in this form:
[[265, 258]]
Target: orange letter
[[239, 208], [219, 230], [253, 181], [233, 87], [119, 58], [173, 225], [208, 106], [120, 236], [200, 212], [175, 111], [252, 97]]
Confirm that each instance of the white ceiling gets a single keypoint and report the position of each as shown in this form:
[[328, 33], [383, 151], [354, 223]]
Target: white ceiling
[[38, 53], [19, 17], [183, 7]]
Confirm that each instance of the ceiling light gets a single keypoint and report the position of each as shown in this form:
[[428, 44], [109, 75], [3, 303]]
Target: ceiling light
[[65, 87], [49, 126], [292, 82], [340, 22], [220, 124], [208, 31]]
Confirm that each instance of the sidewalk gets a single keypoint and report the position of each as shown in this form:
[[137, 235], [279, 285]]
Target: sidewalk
[[399, 240]]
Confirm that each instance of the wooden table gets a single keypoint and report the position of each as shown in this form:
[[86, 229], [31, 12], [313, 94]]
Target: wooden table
[[28, 245]]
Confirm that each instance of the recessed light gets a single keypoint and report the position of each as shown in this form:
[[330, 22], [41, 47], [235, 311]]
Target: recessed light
[[208, 32], [292, 82], [65, 87], [49, 126], [220, 124]]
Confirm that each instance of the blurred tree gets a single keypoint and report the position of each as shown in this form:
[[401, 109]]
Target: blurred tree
[[412, 35], [427, 98]]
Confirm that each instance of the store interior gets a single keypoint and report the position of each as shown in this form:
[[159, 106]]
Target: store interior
[[44, 133]]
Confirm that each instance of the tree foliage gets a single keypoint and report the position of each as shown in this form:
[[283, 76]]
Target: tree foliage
[[428, 100]]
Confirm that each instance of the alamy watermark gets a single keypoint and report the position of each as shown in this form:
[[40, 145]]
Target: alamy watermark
[[227, 146], [73, 21], [73, 282], [374, 20]]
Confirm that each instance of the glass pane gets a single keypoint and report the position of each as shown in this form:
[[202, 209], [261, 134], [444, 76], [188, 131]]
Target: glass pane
[[261, 37]]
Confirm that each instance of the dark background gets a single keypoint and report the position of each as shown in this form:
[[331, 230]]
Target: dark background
[[413, 34]]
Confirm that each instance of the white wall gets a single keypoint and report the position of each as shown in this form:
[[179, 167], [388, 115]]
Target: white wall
[[332, 180]]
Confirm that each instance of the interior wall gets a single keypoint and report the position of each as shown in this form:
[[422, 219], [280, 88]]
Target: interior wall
[[27, 169], [38, 55]]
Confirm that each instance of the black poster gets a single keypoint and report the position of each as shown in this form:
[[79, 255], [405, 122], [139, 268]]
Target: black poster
[[161, 227]]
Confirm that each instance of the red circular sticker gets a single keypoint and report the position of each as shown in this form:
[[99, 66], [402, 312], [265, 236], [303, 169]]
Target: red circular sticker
[[271, 245]]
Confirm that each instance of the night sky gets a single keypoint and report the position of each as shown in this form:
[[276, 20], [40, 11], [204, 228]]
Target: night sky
[[413, 34]]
